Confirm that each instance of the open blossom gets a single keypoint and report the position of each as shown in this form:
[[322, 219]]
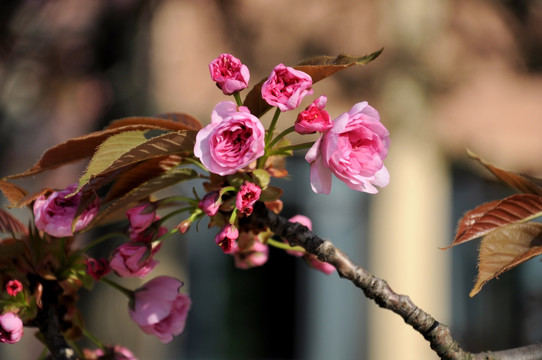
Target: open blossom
[[141, 216], [13, 287], [54, 214], [159, 309], [314, 118], [354, 150], [226, 238], [11, 328], [210, 203], [133, 259], [286, 87], [232, 140], [247, 195], [229, 73]]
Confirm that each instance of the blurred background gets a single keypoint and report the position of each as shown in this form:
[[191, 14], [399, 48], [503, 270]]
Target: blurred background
[[453, 75]]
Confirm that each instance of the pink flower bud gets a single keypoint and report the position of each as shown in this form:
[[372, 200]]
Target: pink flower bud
[[133, 259], [314, 118], [148, 235], [247, 196], [286, 87], [13, 287], [11, 328], [184, 226], [229, 73], [159, 309], [141, 217], [54, 214], [210, 203], [255, 254], [226, 238], [97, 268], [109, 353]]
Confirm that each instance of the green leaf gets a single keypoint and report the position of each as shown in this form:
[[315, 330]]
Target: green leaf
[[112, 149], [261, 177], [318, 68], [505, 249], [172, 177]]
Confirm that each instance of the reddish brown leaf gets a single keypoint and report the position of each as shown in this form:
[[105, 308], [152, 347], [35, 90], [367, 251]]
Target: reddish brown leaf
[[505, 249], [318, 68], [496, 214], [27, 199], [522, 183], [76, 149], [12, 192], [167, 121], [9, 224]]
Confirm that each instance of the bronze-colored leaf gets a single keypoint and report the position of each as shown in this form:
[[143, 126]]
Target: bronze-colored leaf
[[496, 214], [27, 199], [505, 249], [75, 149], [520, 182], [9, 224], [167, 121], [12, 192], [318, 68]]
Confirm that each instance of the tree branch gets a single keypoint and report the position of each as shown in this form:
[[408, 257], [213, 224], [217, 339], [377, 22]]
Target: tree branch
[[48, 322], [438, 334]]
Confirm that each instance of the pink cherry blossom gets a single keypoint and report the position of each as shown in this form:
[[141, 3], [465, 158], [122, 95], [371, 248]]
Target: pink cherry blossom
[[54, 214], [141, 216], [226, 238], [286, 87], [250, 252], [149, 234], [232, 140], [229, 73], [133, 259], [314, 118], [210, 203], [11, 328], [354, 150], [246, 197], [97, 268], [13, 287], [159, 309]]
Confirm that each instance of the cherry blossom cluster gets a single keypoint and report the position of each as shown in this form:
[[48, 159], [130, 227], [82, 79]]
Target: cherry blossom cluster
[[239, 158]]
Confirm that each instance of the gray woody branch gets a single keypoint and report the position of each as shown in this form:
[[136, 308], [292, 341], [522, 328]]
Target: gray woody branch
[[438, 335]]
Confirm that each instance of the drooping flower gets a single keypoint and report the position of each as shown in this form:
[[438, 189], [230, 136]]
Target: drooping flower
[[246, 197], [159, 309], [133, 259], [13, 287], [11, 328], [314, 118], [251, 252], [286, 87], [316, 264], [210, 203], [54, 214], [232, 140], [354, 150], [226, 238], [229, 73], [97, 268], [141, 217], [149, 234]]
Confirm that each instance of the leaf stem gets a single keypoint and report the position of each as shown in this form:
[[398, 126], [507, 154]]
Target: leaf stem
[[102, 239], [280, 136], [129, 293], [283, 149], [92, 338], [237, 97], [269, 135], [284, 246]]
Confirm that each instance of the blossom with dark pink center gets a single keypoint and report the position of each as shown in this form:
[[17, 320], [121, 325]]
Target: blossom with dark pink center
[[246, 197], [97, 268], [229, 73], [133, 259], [286, 87], [226, 238], [314, 118], [13, 287]]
